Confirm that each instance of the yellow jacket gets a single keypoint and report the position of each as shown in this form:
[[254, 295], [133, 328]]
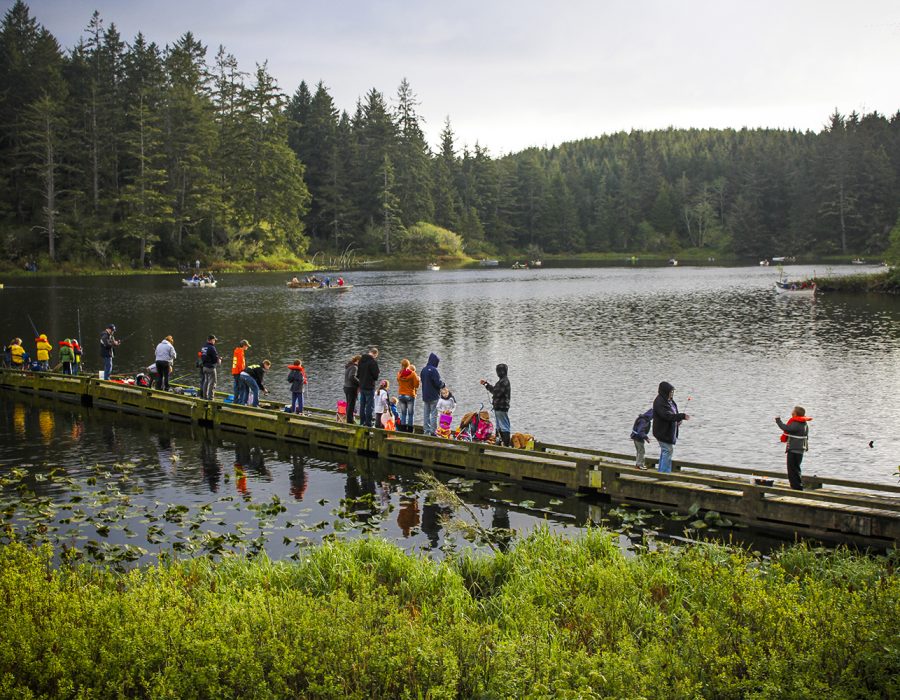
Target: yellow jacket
[[16, 352], [43, 348]]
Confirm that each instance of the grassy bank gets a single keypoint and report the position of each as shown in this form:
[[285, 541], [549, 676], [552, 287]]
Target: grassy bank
[[886, 282], [552, 617]]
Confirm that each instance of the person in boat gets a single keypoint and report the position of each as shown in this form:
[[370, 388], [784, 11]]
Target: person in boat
[[164, 360], [195, 277], [294, 281], [43, 348], [108, 344], [351, 385], [253, 377], [666, 421], [298, 381], [66, 355], [501, 393], [795, 435], [340, 281], [238, 362], [367, 373]]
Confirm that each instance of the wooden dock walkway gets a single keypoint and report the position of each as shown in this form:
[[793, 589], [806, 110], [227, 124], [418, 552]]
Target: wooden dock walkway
[[836, 510]]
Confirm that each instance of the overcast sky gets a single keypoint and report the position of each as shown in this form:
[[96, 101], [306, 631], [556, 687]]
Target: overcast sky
[[537, 73]]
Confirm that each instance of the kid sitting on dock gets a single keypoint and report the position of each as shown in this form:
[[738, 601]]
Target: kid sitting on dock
[[640, 435]]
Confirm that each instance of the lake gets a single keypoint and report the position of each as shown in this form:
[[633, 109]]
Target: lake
[[586, 349]]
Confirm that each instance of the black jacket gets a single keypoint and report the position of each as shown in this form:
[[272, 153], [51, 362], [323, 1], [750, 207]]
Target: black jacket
[[367, 373], [209, 356], [501, 392], [258, 373], [665, 415]]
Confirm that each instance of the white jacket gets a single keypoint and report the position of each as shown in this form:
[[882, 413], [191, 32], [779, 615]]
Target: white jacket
[[165, 352]]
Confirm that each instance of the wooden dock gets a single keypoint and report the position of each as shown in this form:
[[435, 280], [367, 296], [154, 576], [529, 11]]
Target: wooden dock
[[836, 510]]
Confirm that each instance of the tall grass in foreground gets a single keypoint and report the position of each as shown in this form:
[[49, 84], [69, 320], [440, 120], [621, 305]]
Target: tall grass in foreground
[[551, 617]]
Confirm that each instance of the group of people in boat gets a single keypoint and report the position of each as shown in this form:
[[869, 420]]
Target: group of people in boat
[[203, 277], [313, 281]]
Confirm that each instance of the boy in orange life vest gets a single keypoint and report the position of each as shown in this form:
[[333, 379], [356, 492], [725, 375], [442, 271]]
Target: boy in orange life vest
[[795, 437], [238, 363]]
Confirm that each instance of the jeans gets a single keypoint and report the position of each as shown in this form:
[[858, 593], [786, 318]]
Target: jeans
[[429, 417], [665, 457], [296, 402], [249, 387], [107, 367], [366, 406], [67, 367], [407, 406], [238, 395], [638, 453], [502, 421], [76, 368], [162, 374], [208, 388]]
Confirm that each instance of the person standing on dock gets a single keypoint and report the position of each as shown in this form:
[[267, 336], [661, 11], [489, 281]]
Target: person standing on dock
[[43, 348], [367, 373], [407, 388], [431, 392], [501, 393], [76, 363], [210, 360], [238, 362], [108, 344], [666, 421], [795, 435], [639, 435], [66, 356], [351, 386], [165, 358]]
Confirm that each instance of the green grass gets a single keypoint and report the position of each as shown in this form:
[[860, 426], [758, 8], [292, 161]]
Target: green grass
[[553, 617]]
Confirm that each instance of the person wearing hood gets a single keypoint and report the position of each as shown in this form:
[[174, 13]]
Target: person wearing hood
[[43, 348], [66, 355], [407, 388], [666, 420], [298, 381], [367, 374], [500, 397], [431, 392], [795, 435]]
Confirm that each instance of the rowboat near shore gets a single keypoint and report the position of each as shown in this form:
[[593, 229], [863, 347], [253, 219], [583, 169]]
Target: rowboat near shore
[[806, 288]]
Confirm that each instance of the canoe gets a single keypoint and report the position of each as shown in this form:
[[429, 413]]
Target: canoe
[[796, 289]]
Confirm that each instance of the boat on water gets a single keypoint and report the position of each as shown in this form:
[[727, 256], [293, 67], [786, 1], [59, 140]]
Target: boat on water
[[806, 288], [485, 262], [673, 262], [434, 267], [857, 261], [200, 282], [764, 263], [315, 285], [519, 266]]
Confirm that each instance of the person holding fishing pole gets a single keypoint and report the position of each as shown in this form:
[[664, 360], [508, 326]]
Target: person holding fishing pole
[[43, 348], [108, 344]]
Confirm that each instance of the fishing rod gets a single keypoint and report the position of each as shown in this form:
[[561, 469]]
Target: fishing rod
[[33, 327], [126, 337]]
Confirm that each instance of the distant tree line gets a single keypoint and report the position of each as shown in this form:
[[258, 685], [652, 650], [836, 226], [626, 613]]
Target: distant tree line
[[115, 151]]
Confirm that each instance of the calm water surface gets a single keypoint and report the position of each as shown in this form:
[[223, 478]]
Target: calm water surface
[[586, 347]]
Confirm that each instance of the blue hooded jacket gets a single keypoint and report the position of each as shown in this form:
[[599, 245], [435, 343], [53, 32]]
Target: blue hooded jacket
[[431, 379]]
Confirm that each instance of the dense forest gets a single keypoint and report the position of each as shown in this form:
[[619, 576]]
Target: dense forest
[[114, 153]]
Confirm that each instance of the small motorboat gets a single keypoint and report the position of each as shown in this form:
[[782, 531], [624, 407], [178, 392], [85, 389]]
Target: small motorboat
[[200, 282], [857, 261], [764, 263], [485, 262], [805, 288], [434, 267], [673, 262], [519, 266]]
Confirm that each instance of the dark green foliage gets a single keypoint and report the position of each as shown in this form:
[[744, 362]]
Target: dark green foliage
[[115, 152], [552, 617]]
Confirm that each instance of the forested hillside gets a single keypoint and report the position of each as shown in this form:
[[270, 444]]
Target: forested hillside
[[119, 151]]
